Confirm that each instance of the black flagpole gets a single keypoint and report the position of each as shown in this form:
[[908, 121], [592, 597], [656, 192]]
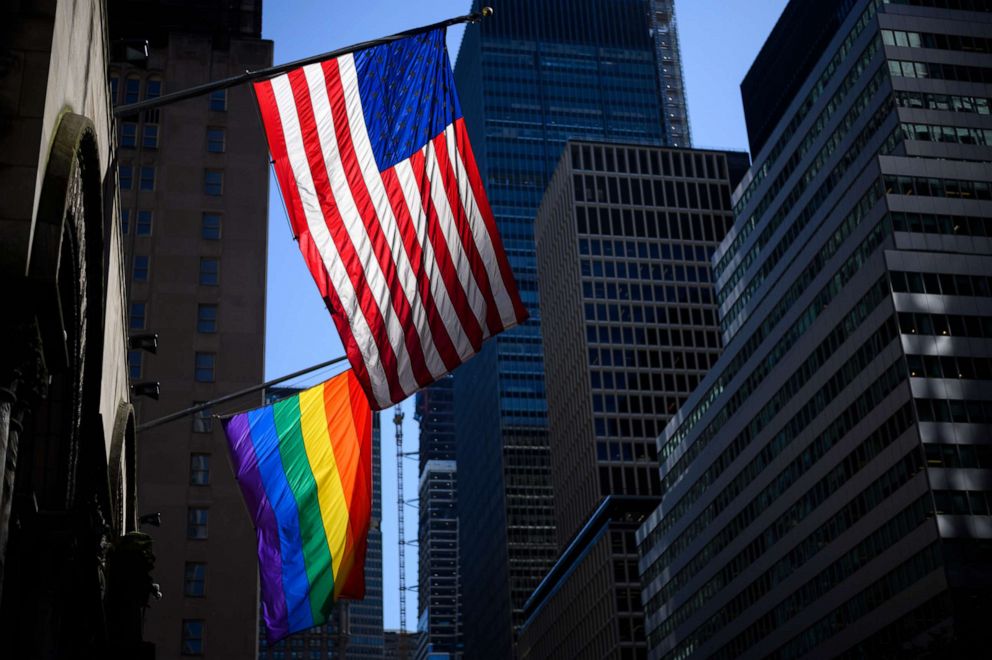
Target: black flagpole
[[249, 76], [230, 397]]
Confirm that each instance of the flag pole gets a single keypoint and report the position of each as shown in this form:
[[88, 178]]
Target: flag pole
[[250, 76], [192, 410]]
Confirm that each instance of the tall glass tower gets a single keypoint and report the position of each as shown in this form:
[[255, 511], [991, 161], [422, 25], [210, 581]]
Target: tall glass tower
[[534, 75]]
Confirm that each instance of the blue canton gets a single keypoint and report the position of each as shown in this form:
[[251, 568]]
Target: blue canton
[[408, 95]]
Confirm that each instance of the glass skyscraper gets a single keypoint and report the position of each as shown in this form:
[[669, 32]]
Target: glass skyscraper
[[530, 77]]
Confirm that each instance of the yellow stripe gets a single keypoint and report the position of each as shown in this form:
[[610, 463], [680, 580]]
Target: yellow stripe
[[333, 507]]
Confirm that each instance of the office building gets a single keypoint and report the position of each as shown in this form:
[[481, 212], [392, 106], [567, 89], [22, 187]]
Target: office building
[[194, 199], [67, 499], [826, 487], [624, 238], [439, 584], [534, 75], [354, 627]]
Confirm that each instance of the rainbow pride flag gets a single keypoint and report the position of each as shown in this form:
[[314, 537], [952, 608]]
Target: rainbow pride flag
[[305, 468]]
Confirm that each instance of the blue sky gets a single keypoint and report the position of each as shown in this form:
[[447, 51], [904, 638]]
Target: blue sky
[[719, 39]]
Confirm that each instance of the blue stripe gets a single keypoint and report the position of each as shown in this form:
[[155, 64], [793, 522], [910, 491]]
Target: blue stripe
[[408, 95], [294, 571]]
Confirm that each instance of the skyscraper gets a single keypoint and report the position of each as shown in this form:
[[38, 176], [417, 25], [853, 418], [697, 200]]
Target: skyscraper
[[194, 199], [624, 238], [534, 75], [439, 585], [826, 488]]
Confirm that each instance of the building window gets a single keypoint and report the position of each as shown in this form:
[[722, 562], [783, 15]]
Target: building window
[[199, 469], [206, 318], [218, 100], [129, 134], [126, 174], [132, 90], [143, 227], [202, 420], [192, 643], [125, 220], [137, 320], [153, 89], [210, 271], [215, 140], [205, 367], [193, 582], [134, 364], [147, 181], [213, 183], [149, 136], [210, 226], [140, 268], [196, 522], [114, 87]]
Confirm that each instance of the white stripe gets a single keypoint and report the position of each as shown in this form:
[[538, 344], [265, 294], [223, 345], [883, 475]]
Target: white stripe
[[483, 242], [283, 94], [446, 219], [429, 265], [351, 219], [384, 211]]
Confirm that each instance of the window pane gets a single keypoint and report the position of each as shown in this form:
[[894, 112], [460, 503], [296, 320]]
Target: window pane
[[218, 100], [205, 367], [143, 227], [203, 421], [213, 183], [141, 268], [125, 220], [196, 522], [215, 140], [153, 89], [210, 271], [129, 133], [147, 177], [134, 364], [206, 318], [149, 136], [126, 173], [199, 468], [192, 640], [210, 227], [194, 579], [132, 89], [137, 320]]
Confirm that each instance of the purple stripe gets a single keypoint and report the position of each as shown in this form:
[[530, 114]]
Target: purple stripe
[[274, 610]]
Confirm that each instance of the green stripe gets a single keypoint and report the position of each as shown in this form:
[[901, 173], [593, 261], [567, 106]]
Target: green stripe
[[316, 555]]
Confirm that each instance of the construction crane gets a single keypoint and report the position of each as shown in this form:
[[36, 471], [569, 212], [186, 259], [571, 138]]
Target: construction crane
[[400, 531]]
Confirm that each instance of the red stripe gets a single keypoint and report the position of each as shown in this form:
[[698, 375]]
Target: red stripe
[[354, 586], [459, 299], [449, 180], [372, 224], [269, 110], [290, 192], [332, 218], [415, 253], [465, 151]]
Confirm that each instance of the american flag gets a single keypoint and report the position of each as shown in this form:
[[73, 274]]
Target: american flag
[[387, 204]]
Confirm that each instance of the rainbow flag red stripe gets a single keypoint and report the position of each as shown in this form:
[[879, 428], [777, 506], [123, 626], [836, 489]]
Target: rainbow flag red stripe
[[305, 468]]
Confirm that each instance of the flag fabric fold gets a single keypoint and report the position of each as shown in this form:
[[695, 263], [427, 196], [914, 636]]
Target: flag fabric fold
[[387, 204], [304, 465]]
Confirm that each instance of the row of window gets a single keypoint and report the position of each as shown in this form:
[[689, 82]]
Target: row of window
[[945, 325], [647, 192], [601, 158], [963, 503], [957, 72], [948, 134], [636, 313], [932, 187], [937, 41], [954, 410], [950, 366], [944, 455], [946, 102], [213, 180], [209, 224], [950, 225], [208, 275], [206, 317], [217, 100], [941, 284], [204, 370], [150, 134], [650, 223]]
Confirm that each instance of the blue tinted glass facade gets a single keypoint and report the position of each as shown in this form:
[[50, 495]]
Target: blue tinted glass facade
[[537, 73]]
